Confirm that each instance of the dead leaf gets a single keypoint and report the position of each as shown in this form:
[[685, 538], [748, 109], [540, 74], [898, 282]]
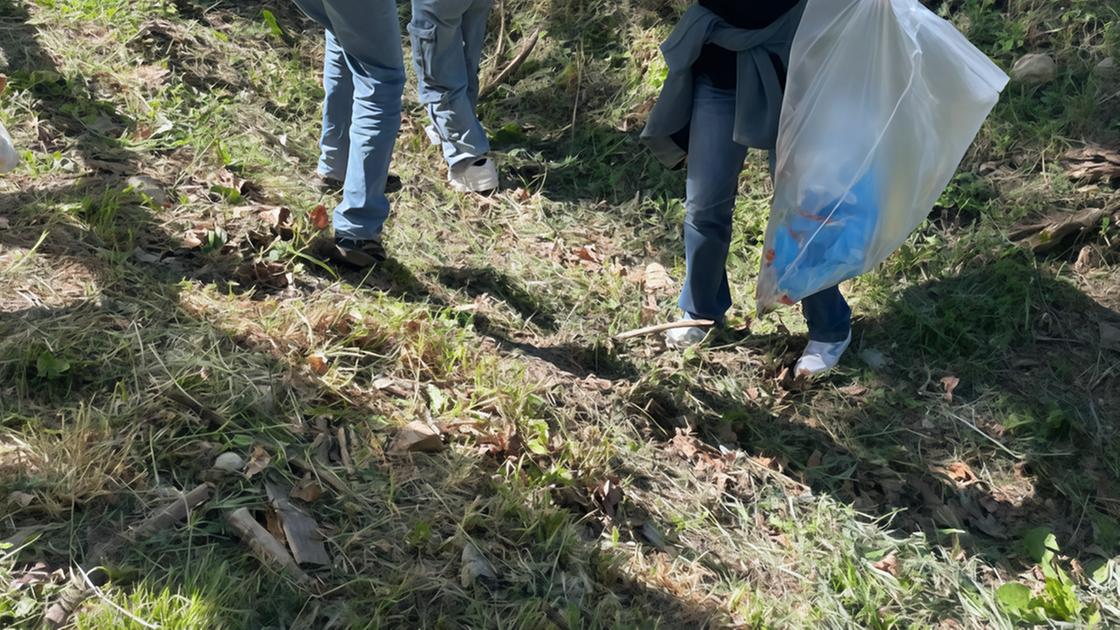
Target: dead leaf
[[587, 253], [278, 219], [299, 529], [417, 437], [319, 218], [1110, 336], [815, 460], [853, 390], [889, 564], [266, 274], [684, 445], [151, 76], [21, 499], [318, 363], [4, 223], [754, 394], [258, 461], [521, 195], [307, 490], [607, 496], [191, 240], [950, 383], [275, 526], [476, 568], [657, 278], [960, 472], [1093, 163]]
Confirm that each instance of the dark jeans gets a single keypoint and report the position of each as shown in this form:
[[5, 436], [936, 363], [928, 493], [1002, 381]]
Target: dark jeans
[[714, 164]]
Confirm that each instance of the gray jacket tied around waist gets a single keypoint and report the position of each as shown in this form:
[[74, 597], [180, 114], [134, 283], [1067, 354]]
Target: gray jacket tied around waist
[[758, 98]]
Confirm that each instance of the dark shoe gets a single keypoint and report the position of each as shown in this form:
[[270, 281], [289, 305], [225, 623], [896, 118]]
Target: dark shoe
[[362, 254], [330, 185]]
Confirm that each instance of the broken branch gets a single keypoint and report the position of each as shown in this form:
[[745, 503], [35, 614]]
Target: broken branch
[[653, 330]]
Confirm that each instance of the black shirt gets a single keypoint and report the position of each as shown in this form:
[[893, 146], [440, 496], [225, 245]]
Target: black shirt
[[719, 64]]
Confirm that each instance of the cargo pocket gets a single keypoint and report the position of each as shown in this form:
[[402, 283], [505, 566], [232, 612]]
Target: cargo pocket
[[423, 36]]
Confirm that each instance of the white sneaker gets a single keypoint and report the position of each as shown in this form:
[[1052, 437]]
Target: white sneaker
[[478, 176], [682, 338], [820, 357], [433, 137]]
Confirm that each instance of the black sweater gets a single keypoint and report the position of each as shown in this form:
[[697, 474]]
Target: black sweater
[[719, 64]]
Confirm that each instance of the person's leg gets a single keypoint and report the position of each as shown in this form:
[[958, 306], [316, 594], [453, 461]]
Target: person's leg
[[828, 315], [474, 37], [438, 49], [714, 164], [338, 109], [369, 34]]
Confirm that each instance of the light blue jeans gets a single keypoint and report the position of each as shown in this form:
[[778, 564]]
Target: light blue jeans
[[447, 38], [714, 163], [363, 76]]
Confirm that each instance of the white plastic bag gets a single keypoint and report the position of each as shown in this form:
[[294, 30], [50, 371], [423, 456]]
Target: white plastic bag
[[9, 158], [882, 101]]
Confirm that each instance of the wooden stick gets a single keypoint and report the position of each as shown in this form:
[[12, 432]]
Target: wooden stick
[[653, 330], [264, 546], [513, 66], [58, 615]]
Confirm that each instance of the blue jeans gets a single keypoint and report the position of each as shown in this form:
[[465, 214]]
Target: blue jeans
[[714, 163], [363, 76], [447, 38]]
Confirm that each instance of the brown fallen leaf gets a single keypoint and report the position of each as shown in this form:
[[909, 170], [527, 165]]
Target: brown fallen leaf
[[275, 526], [657, 278], [300, 530], [191, 240], [318, 363], [960, 472], [258, 461], [889, 564], [607, 496], [950, 383], [815, 460], [278, 219], [587, 253], [320, 220], [307, 490], [417, 437], [684, 445], [853, 390]]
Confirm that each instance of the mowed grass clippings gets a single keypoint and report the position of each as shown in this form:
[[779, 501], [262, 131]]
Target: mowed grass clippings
[[161, 304]]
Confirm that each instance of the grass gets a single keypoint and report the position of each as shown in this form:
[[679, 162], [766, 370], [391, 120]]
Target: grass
[[608, 485]]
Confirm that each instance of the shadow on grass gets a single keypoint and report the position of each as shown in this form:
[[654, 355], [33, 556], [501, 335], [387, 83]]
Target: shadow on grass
[[1025, 441]]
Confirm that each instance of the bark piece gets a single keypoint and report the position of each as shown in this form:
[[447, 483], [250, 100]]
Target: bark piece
[[301, 531]]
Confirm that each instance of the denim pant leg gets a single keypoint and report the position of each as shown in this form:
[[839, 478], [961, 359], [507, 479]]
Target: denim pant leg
[[338, 108], [474, 38], [714, 164], [369, 33], [439, 50], [828, 315]]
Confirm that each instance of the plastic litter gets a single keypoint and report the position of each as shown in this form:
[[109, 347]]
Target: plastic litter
[[9, 157], [882, 101]]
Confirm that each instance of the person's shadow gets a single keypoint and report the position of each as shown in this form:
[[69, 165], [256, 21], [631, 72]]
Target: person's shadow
[[990, 412]]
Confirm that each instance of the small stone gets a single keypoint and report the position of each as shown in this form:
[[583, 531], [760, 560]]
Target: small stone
[[149, 187], [1107, 69], [1034, 69], [229, 462]]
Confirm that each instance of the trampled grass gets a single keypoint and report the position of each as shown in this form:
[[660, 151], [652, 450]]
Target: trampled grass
[[153, 315]]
